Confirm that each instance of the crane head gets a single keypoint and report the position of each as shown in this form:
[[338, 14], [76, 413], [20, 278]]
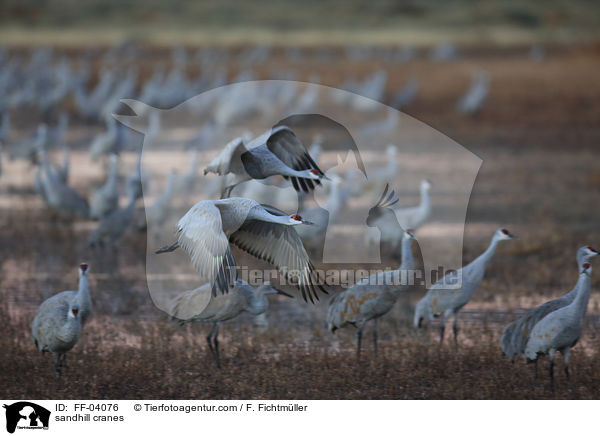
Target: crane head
[[505, 234], [83, 268], [591, 251], [297, 219]]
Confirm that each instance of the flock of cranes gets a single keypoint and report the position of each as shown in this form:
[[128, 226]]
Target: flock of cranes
[[210, 228]]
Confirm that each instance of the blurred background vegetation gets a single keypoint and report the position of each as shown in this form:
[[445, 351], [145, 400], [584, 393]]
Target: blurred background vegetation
[[307, 22]]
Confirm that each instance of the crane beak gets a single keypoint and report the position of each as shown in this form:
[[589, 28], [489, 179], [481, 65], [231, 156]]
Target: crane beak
[[280, 292], [309, 223], [513, 236]]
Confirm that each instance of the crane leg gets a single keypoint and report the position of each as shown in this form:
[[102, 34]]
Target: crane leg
[[227, 192], [57, 364], [375, 337], [535, 369], [216, 339], [455, 329], [442, 329], [566, 353], [209, 340], [359, 339], [551, 368]]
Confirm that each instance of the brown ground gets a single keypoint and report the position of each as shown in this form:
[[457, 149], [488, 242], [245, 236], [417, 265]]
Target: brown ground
[[537, 135]]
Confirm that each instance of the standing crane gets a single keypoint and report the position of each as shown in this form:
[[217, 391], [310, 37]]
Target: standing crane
[[450, 294], [241, 298], [516, 335], [414, 217], [105, 199], [112, 226], [59, 320], [371, 298], [58, 195], [208, 228], [275, 152], [392, 222], [561, 329]]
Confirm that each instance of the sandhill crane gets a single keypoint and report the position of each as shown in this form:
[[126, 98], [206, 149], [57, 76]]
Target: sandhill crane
[[133, 184], [110, 141], [105, 199], [414, 217], [313, 236], [59, 320], [28, 148], [62, 172], [241, 298], [187, 181], [449, 295], [4, 127], [383, 217], [59, 196], [371, 298], [377, 180], [517, 333], [112, 226], [208, 228], [275, 152], [443, 52], [4, 132], [406, 94], [54, 136], [561, 329], [474, 98], [158, 212], [381, 128]]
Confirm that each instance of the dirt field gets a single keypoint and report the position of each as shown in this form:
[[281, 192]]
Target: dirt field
[[538, 136]]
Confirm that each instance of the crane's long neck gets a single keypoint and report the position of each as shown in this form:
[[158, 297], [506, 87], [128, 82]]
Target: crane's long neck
[[112, 173], [403, 274], [580, 302], [260, 214], [425, 204], [407, 256], [334, 203], [83, 293], [475, 270]]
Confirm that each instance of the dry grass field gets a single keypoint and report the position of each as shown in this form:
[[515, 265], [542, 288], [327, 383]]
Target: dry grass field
[[538, 136]]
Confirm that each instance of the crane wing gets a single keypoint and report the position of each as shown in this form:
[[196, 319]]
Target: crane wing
[[229, 160], [200, 234], [284, 144], [281, 246]]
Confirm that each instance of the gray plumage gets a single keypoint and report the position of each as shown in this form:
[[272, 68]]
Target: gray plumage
[[105, 199], [371, 298], [112, 227], [206, 231], [59, 320], [110, 141], [159, 211], [517, 333], [59, 196], [190, 307], [561, 329], [447, 298], [275, 152]]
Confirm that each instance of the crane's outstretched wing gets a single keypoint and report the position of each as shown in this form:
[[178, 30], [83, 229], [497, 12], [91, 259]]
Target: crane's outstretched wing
[[281, 246], [289, 149], [200, 234], [228, 161]]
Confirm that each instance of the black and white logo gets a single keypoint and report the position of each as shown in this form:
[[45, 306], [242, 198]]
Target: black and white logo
[[26, 415]]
